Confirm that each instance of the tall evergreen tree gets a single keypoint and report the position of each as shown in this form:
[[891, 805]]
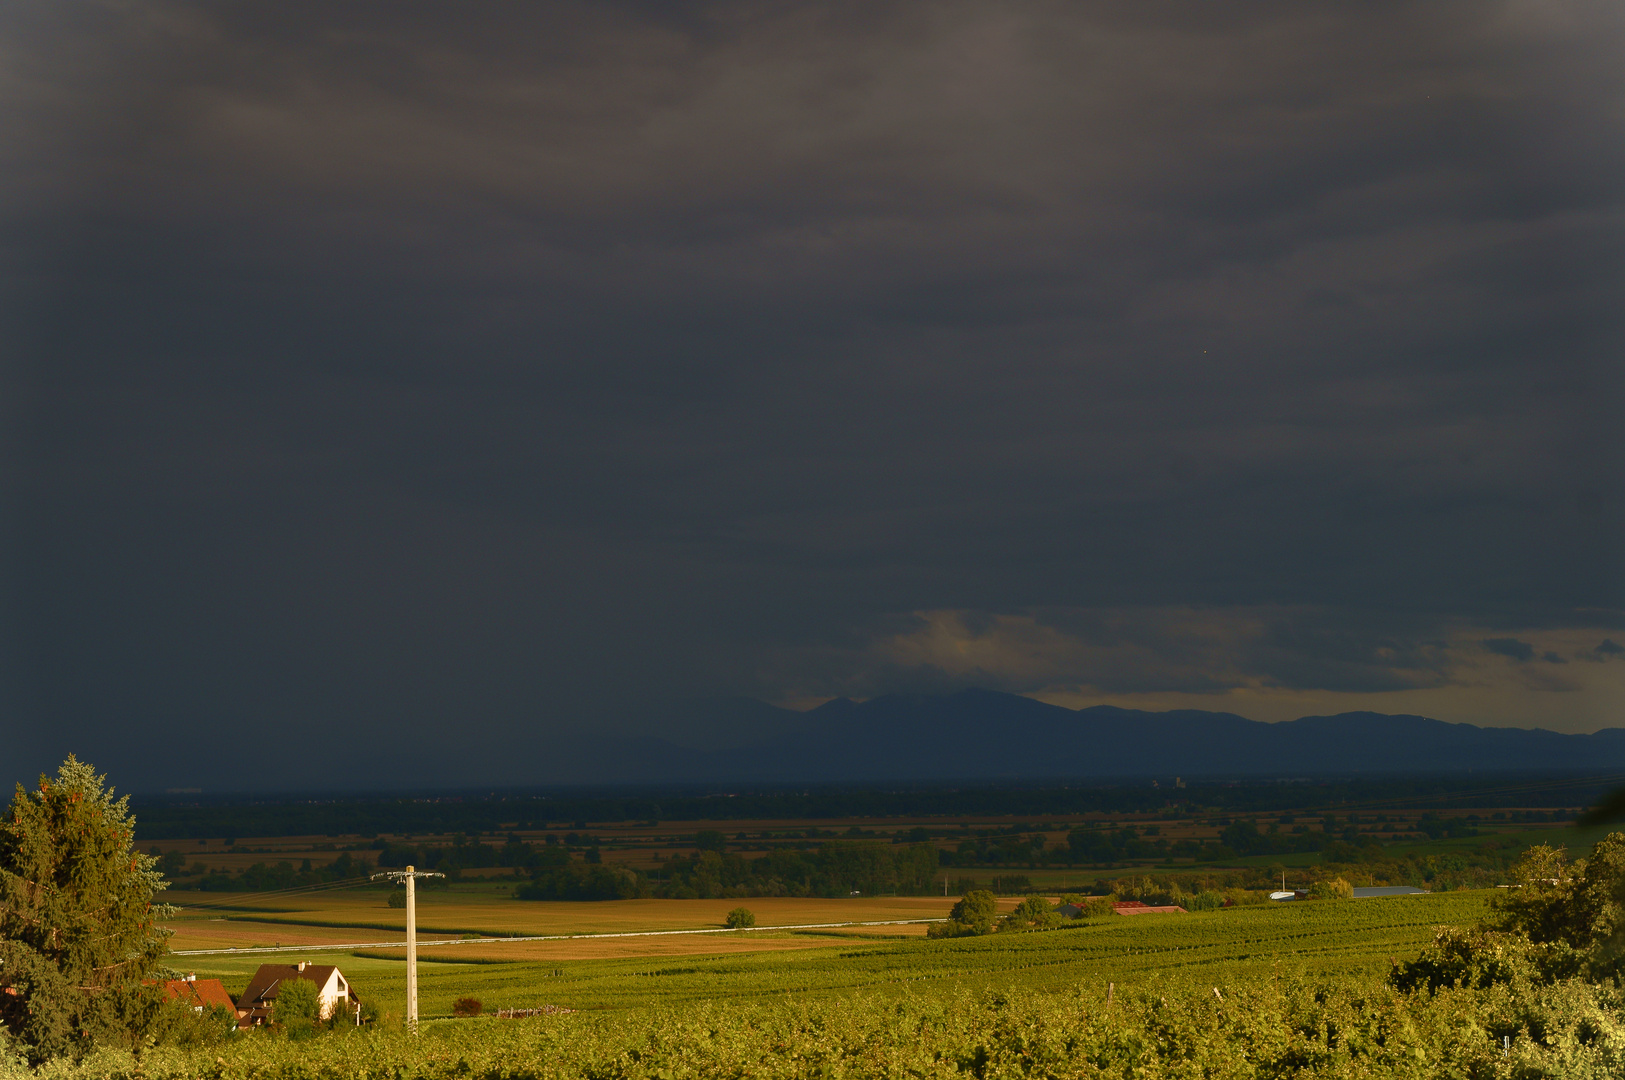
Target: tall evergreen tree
[[78, 923]]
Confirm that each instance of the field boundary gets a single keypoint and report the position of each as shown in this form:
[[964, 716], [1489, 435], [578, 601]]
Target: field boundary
[[336, 947]]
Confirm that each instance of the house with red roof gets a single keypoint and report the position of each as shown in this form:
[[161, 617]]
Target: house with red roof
[[1135, 907], [198, 993]]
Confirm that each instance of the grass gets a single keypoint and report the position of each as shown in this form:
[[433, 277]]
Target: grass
[[1239, 946]]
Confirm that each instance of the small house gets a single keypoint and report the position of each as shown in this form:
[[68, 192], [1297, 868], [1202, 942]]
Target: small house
[[333, 992]]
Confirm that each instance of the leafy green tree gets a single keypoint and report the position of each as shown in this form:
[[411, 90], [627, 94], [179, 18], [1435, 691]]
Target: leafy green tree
[[972, 914], [1559, 920], [298, 1006], [1578, 906], [78, 923], [1475, 959], [1206, 900], [1090, 846], [179, 1024], [1335, 889], [741, 917], [1033, 913]]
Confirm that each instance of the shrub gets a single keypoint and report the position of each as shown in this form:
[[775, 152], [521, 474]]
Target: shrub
[[297, 1006], [1091, 907], [467, 1006], [1474, 960], [1033, 913], [1573, 909], [180, 1025], [973, 914], [1335, 889], [397, 898], [740, 917]]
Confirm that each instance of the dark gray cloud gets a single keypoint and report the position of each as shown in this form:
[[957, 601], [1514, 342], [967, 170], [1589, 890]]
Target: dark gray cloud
[[1520, 651], [381, 369]]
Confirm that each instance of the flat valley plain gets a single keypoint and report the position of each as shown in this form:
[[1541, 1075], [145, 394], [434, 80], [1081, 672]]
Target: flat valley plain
[[661, 959], [488, 911], [1238, 946]]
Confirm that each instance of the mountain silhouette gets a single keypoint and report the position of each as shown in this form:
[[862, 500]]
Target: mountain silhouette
[[986, 735]]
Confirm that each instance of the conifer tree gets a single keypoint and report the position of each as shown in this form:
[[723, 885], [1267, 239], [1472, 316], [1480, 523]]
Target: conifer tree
[[78, 923]]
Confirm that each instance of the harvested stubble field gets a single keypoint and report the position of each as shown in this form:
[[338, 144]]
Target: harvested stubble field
[[1228, 948], [493, 912]]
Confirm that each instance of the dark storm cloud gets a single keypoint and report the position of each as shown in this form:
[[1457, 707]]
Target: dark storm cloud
[[468, 371], [1521, 651], [1141, 650]]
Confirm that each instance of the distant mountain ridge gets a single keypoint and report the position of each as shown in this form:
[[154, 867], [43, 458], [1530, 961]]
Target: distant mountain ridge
[[983, 734]]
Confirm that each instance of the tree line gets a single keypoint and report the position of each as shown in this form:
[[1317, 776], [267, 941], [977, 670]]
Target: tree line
[[836, 868], [227, 817]]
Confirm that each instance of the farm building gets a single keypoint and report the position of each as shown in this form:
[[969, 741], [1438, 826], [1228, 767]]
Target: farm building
[[198, 993], [1135, 907], [332, 991], [1366, 893]]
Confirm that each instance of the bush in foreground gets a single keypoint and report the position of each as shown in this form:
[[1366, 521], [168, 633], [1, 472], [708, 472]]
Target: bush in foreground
[[1175, 1028]]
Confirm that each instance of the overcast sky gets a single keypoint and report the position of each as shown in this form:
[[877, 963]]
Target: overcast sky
[[391, 374]]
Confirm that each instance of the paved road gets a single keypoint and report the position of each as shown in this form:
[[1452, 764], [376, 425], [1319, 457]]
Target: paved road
[[538, 937]]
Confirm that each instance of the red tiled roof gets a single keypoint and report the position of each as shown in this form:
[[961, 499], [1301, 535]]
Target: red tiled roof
[[198, 992], [1135, 907]]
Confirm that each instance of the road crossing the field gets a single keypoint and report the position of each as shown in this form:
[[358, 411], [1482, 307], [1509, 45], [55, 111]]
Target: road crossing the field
[[247, 950]]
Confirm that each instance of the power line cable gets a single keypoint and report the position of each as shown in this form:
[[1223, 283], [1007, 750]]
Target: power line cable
[[237, 900]]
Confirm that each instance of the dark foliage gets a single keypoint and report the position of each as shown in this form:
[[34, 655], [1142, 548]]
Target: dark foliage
[[837, 868], [78, 922], [227, 817]]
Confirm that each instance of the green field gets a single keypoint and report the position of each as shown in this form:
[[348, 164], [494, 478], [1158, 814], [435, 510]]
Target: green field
[[1233, 947], [1259, 991]]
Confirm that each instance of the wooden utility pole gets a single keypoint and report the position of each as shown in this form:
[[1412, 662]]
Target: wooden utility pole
[[409, 877]]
